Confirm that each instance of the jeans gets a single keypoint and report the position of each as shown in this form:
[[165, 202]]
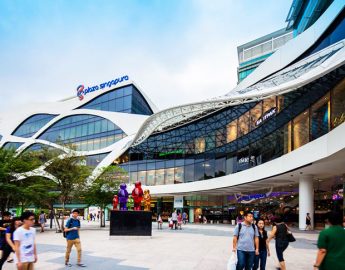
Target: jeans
[[262, 257], [6, 251], [245, 260]]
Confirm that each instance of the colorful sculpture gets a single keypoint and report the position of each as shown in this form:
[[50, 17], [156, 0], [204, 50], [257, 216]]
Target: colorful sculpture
[[123, 196], [137, 195], [147, 200], [115, 202], [130, 202]]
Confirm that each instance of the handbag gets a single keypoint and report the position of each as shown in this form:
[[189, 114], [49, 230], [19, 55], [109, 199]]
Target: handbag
[[289, 235], [232, 262]]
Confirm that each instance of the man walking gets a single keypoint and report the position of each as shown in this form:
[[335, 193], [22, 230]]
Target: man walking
[[72, 236], [174, 219], [246, 242], [24, 241]]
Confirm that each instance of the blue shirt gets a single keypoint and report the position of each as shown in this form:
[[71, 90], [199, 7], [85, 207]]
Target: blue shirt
[[8, 230], [245, 241], [74, 234]]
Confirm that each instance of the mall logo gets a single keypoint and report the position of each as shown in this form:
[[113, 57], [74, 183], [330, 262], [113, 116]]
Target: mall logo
[[266, 116], [82, 91]]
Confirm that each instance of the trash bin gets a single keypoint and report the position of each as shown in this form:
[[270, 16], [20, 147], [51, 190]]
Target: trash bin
[[233, 222]]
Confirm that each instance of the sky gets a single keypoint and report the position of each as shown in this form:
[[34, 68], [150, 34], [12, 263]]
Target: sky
[[176, 51]]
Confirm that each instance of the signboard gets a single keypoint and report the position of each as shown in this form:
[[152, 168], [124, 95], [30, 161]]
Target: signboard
[[271, 112], [83, 91], [178, 202]]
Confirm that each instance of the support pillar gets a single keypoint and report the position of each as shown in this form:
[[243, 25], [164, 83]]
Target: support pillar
[[306, 200], [191, 215]]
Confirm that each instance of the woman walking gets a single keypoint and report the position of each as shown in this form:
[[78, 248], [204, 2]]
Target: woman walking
[[280, 231], [264, 248], [9, 243], [42, 220]]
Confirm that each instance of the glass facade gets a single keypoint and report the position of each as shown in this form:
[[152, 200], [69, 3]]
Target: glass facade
[[239, 137], [12, 145], [85, 132], [31, 125], [93, 160], [126, 99]]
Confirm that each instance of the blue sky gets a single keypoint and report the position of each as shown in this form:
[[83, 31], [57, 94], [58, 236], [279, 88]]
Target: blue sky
[[177, 51]]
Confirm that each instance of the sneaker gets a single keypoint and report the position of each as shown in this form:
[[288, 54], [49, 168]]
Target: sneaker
[[68, 264], [81, 265]]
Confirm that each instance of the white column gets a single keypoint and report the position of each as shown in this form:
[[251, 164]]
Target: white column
[[306, 200], [191, 215]]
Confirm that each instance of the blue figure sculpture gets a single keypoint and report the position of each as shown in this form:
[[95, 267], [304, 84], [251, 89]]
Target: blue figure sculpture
[[123, 196]]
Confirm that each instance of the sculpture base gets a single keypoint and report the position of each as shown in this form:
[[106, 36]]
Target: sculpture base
[[130, 223]]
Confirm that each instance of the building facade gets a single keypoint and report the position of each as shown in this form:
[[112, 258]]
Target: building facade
[[273, 143]]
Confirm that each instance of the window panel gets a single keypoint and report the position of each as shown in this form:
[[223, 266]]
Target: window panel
[[320, 120], [301, 130], [231, 131], [338, 104]]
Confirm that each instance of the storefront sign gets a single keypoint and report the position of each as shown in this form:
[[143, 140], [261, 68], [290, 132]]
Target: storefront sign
[[82, 91], [244, 160], [163, 154], [178, 202], [266, 116]]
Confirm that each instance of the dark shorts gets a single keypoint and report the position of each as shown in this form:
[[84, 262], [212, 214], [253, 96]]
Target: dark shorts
[[280, 248]]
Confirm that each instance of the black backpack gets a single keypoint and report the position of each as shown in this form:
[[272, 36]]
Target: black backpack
[[69, 222]]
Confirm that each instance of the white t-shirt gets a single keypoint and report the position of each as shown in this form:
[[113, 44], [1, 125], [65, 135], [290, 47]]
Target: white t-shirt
[[27, 242]]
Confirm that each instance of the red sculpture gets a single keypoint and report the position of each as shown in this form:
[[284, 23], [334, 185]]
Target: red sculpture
[[137, 195], [115, 202]]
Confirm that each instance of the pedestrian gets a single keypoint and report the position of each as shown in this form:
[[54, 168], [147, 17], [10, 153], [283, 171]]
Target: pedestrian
[[174, 219], [91, 216], [264, 248], [308, 222], [8, 246], [24, 242], [246, 242], [42, 220], [331, 254], [4, 224], [280, 233], [159, 221], [200, 219], [72, 236], [184, 217], [179, 221], [98, 217]]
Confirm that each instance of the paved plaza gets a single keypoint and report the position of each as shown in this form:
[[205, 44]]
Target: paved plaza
[[194, 247]]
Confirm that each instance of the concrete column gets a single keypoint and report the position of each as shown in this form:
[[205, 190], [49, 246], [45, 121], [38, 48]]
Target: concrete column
[[191, 215], [306, 200]]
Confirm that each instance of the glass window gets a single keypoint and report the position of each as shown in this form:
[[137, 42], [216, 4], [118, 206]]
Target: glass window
[[189, 173], [255, 154], [243, 159], [220, 137], [210, 142], [255, 114], [287, 138], [119, 104], [231, 131], [268, 104], [199, 145], [127, 102], [160, 177], [133, 177], [199, 171], [169, 176], [280, 104], [338, 104], [220, 167], [209, 169], [150, 178], [179, 175], [301, 130], [320, 120], [142, 177], [119, 93], [243, 125]]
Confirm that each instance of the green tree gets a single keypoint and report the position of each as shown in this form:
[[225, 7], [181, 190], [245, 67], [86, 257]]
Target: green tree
[[101, 191], [12, 165], [70, 172]]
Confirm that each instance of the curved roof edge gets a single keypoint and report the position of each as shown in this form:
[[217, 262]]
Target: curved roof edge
[[289, 52]]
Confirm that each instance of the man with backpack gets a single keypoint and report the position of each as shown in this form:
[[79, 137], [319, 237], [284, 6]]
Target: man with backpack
[[72, 236], [246, 242]]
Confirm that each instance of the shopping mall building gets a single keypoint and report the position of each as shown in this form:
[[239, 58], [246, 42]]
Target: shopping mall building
[[274, 143]]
